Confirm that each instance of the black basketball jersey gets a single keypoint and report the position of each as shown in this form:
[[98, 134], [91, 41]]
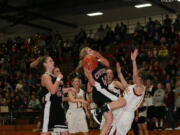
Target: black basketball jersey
[[53, 114], [57, 97], [101, 94], [99, 75]]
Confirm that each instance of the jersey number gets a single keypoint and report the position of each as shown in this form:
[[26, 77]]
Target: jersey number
[[104, 80]]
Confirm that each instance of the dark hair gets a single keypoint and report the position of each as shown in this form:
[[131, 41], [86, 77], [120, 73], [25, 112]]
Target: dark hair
[[54, 69], [143, 75], [74, 75], [38, 64]]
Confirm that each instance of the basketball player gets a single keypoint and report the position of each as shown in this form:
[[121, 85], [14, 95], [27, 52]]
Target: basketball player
[[101, 95], [133, 95], [76, 116], [53, 118], [115, 86]]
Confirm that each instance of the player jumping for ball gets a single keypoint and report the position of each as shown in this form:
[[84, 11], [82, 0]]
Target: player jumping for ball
[[133, 95], [105, 99]]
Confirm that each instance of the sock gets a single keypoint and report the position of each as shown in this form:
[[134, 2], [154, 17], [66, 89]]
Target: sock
[[156, 124], [161, 123], [109, 107]]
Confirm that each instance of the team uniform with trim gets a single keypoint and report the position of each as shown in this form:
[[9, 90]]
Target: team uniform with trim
[[76, 116], [111, 87], [123, 120], [142, 113], [53, 117], [101, 94]]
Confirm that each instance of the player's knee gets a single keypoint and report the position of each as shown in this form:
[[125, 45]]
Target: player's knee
[[140, 127]]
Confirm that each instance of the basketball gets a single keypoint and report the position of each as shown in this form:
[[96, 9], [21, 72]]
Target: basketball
[[90, 62]]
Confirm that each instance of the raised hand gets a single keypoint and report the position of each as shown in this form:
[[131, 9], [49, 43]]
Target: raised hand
[[134, 55], [118, 67], [85, 102], [60, 76], [97, 54]]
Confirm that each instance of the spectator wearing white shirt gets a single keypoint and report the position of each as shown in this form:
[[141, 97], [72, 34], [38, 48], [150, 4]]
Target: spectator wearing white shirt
[[177, 101], [19, 85], [34, 103], [149, 101], [158, 101]]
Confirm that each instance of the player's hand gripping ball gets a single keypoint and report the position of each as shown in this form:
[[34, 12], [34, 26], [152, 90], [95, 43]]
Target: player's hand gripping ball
[[90, 62]]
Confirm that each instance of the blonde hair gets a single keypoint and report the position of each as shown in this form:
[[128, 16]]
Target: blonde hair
[[83, 53], [38, 64]]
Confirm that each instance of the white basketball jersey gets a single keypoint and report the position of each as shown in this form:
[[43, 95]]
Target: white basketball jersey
[[79, 95], [125, 116], [133, 100]]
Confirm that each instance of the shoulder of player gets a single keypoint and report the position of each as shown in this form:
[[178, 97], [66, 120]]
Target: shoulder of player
[[45, 76], [139, 89], [82, 91], [116, 82]]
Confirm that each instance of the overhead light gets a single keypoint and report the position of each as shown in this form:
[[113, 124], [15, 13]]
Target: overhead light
[[178, 0], [143, 5], [94, 14]]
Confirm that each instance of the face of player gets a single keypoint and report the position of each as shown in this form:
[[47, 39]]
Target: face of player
[[49, 64], [76, 83], [90, 51], [140, 80], [110, 75], [57, 72]]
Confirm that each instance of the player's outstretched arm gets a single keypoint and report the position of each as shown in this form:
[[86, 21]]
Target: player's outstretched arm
[[136, 77], [75, 100], [120, 75]]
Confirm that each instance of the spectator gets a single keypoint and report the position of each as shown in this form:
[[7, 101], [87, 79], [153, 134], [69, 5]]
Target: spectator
[[177, 23], [18, 103], [167, 22], [177, 103], [34, 103], [158, 101], [19, 85], [141, 118], [150, 89], [169, 102], [25, 103]]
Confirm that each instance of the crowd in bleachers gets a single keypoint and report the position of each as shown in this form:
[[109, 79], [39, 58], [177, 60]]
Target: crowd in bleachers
[[158, 43]]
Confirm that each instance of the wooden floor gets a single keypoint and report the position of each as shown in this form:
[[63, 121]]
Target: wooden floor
[[27, 130]]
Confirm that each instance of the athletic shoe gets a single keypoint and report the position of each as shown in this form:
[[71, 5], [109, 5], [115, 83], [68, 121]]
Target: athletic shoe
[[177, 128], [168, 129], [97, 115]]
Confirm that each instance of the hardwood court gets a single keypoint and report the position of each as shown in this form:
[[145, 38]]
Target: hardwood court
[[27, 130]]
